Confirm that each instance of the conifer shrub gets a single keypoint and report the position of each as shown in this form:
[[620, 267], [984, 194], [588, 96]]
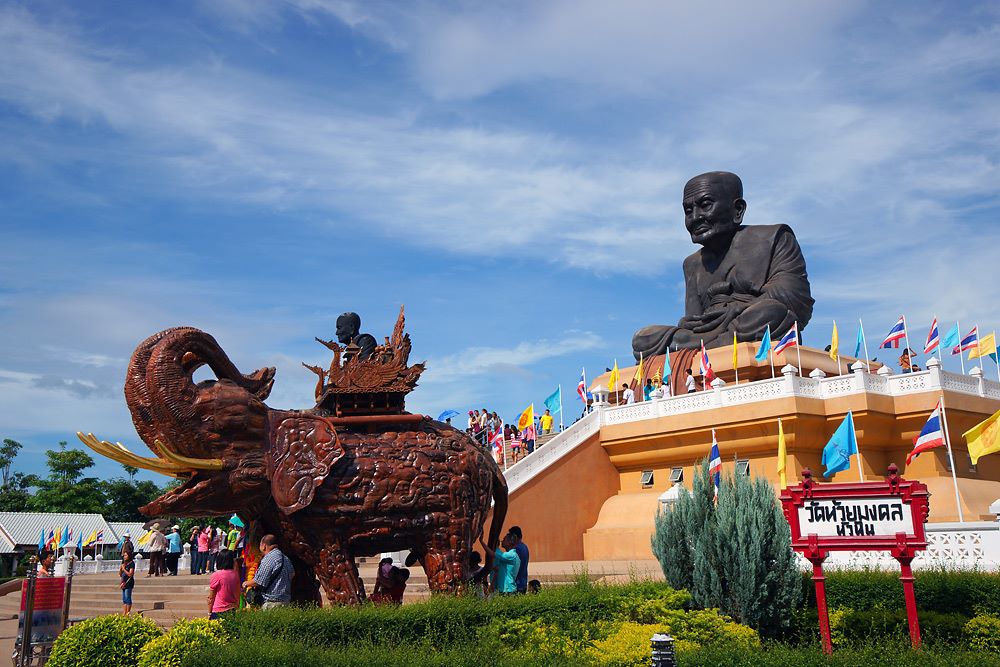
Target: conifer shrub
[[733, 553], [104, 641]]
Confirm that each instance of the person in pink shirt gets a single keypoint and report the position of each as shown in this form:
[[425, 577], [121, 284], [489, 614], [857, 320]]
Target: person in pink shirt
[[204, 542], [224, 586]]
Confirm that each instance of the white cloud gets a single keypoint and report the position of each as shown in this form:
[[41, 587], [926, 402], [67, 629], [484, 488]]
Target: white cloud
[[474, 361]]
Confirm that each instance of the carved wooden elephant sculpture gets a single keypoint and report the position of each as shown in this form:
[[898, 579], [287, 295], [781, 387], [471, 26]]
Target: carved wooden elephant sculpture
[[330, 489]]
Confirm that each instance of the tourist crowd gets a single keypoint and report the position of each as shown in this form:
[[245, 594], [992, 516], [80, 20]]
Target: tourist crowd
[[493, 434]]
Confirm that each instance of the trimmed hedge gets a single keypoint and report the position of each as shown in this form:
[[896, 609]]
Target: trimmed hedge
[[948, 592], [259, 652], [884, 654], [445, 620]]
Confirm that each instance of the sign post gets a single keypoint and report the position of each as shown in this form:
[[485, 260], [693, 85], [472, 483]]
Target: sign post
[[859, 516]]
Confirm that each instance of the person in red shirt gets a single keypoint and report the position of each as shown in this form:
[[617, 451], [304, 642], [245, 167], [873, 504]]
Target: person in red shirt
[[224, 586]]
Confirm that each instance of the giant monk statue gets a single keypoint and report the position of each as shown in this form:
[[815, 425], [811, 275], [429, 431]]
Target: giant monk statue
[[743, 279]]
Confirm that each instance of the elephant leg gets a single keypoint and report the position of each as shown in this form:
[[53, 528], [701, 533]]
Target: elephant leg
[[446, 556], [339, 575], [305, 590]]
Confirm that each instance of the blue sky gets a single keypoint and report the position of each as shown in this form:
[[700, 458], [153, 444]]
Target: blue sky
[[511, 171]]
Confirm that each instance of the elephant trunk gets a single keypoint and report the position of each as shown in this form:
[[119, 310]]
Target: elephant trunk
[[193, 419]]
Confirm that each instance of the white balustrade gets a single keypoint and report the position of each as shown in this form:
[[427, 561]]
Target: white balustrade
[[859, 381]]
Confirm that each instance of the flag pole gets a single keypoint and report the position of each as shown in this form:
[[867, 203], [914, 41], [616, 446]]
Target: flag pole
[[835, 351], [617, 398], [560, 410], [798, 346], [864, 341], [940, 358], [951, 457], [978, 336], [770, 350], [736, 366], [584, 376], [906, 335], [861, 470], [961, 355]]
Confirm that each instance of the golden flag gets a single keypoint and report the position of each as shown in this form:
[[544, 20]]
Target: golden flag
[[984, 438], [735, 356], [987, 346], [145, 538], [835, 343], [638, 371], [782, 455], [657, 378], [613, 378], [527, 418]]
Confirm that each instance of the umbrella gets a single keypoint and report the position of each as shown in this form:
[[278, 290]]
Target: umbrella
[[162, 521], [447, 414], [236, 521]]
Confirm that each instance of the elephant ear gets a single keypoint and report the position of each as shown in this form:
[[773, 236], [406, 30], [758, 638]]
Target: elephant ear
[[303, 450]]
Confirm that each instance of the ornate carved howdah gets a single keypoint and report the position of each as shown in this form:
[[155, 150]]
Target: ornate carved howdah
[[355, 475]]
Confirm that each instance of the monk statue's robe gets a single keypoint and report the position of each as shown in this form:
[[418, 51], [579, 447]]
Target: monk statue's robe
[[758, 280]]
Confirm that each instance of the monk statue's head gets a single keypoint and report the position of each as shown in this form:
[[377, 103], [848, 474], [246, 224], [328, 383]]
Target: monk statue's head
[[713, 208], [348, 326]]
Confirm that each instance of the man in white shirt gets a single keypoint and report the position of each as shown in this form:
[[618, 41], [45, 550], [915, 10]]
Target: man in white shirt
[[689, 382], [628, 396]]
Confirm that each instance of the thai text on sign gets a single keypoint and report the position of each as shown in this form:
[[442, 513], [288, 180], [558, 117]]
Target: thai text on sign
[[855, 517]]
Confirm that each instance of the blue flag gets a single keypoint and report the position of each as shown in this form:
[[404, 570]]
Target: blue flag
[[65, 537], [951, 338], [842, 446], [79, 542], [859, 344], [765, 346], [554, 401], [41, 541], [666, 365]]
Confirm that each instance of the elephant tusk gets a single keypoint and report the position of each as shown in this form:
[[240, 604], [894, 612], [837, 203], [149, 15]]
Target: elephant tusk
[[118, 452], [187, 462]]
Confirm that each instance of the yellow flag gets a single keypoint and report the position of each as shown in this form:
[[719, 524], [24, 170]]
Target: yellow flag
[[638, 371], [91, 539], [782, 455], [527, 418], [984, 438], [145, 538], [735, 356], [613, 378], [835, 343], [987, 346]]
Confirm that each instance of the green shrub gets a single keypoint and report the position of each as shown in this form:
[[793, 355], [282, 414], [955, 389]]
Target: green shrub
[[884, 654], [946, 591], [105, 641], [982, 633], [628, 645], [733, 552], [444, 620], [185, 637], [261, 652]]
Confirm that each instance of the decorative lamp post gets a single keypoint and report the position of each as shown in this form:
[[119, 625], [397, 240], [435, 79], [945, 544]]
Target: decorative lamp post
[[663, 651]]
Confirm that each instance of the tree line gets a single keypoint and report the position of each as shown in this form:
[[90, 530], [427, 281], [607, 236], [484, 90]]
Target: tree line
[[68, 488]]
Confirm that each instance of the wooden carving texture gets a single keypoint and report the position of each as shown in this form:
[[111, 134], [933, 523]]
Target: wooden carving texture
[[331, 488]]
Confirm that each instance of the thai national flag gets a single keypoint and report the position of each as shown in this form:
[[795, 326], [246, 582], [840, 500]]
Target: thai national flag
[[706, 366], [790, 339], [931, 435], [970, 341], [933, 340], [581, 387], [715, 463], [896, 334], [496, 440]]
